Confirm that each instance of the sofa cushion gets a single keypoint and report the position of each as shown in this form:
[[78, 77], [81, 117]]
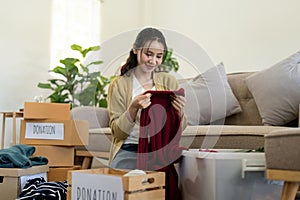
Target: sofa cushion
[[249, 114], [225, 137], [209, 97], [200, 136], [276, 91]]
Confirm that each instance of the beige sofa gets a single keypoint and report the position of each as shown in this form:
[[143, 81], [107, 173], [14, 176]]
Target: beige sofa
[[243, 130]]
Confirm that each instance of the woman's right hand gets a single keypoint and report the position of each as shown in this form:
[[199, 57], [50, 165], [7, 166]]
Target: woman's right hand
[[139, 102]]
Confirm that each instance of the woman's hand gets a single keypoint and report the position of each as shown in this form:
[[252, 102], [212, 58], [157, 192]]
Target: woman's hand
[[139, 102], [178, 103]]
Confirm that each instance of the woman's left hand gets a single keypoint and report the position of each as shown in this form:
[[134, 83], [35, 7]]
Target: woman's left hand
[[178, 103]]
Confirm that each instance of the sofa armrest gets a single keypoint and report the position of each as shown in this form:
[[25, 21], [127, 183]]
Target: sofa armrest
[[282, 148]]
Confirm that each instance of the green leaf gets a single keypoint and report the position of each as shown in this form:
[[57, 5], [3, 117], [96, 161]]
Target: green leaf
[[57, 80], [103, 103], [69, 61], [87, 50], [105, 81], [58, 98], [44, 85], [76, 47], [95, 63], [60, 70], [94, 48]]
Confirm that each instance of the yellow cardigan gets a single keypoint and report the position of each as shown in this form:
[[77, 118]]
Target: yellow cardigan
[[119, 98]]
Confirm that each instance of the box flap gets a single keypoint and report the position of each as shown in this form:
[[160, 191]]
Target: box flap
[[17, 172]]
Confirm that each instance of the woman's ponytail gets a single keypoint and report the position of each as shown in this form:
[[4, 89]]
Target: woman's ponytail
[[131, 63]]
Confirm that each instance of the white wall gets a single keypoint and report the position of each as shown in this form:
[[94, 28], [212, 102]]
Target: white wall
[[247, 35], [24, 52]]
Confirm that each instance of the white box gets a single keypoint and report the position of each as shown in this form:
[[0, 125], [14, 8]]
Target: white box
[[226, 175]]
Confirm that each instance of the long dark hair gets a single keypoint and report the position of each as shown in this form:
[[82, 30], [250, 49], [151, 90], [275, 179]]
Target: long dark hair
[[146, 35]]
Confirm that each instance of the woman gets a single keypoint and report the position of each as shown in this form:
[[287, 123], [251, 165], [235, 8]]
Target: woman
[[126, 95]]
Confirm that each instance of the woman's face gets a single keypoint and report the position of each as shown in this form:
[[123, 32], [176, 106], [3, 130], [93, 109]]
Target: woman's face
[[151, 56]]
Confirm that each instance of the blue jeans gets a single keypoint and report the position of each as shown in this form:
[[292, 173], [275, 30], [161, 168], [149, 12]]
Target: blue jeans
[[126, 157]]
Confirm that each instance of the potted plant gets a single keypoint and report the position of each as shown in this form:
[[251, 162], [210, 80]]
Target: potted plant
[[75, 84], [170, 63]]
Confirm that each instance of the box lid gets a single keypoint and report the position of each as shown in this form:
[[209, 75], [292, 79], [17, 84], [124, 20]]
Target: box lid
[[35, 110], [224, 154], [17, 172]]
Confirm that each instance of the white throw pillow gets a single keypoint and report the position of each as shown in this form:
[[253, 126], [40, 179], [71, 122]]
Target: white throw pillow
[[209, 97], [276, 91]]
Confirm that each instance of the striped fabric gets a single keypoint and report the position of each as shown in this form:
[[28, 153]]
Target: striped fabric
[[39, 189]]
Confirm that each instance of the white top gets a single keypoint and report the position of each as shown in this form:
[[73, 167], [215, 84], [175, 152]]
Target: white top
[[133, 137]]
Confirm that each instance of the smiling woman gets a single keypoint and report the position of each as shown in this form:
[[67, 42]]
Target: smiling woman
[[73, 21]]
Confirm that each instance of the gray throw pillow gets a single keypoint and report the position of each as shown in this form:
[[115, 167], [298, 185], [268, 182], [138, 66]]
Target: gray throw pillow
[[276, 91], [209, 97]]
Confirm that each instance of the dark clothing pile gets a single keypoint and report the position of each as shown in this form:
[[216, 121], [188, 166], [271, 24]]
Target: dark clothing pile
[[20, 156], [39, 189]]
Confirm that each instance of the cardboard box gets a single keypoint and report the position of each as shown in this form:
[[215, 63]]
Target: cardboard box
[[60, 173], [58, 111], [58, 156], [112, 184], [54, 132], [12, 180]]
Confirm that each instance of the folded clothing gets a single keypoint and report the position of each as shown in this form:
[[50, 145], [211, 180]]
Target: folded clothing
[[20, 156]]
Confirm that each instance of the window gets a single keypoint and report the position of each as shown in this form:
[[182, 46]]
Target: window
[[73, 22]]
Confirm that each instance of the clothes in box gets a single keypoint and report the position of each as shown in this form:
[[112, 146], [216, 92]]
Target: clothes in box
[[54, 132], [35, 110], [12, 180], [58, 156], [225, 175]]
